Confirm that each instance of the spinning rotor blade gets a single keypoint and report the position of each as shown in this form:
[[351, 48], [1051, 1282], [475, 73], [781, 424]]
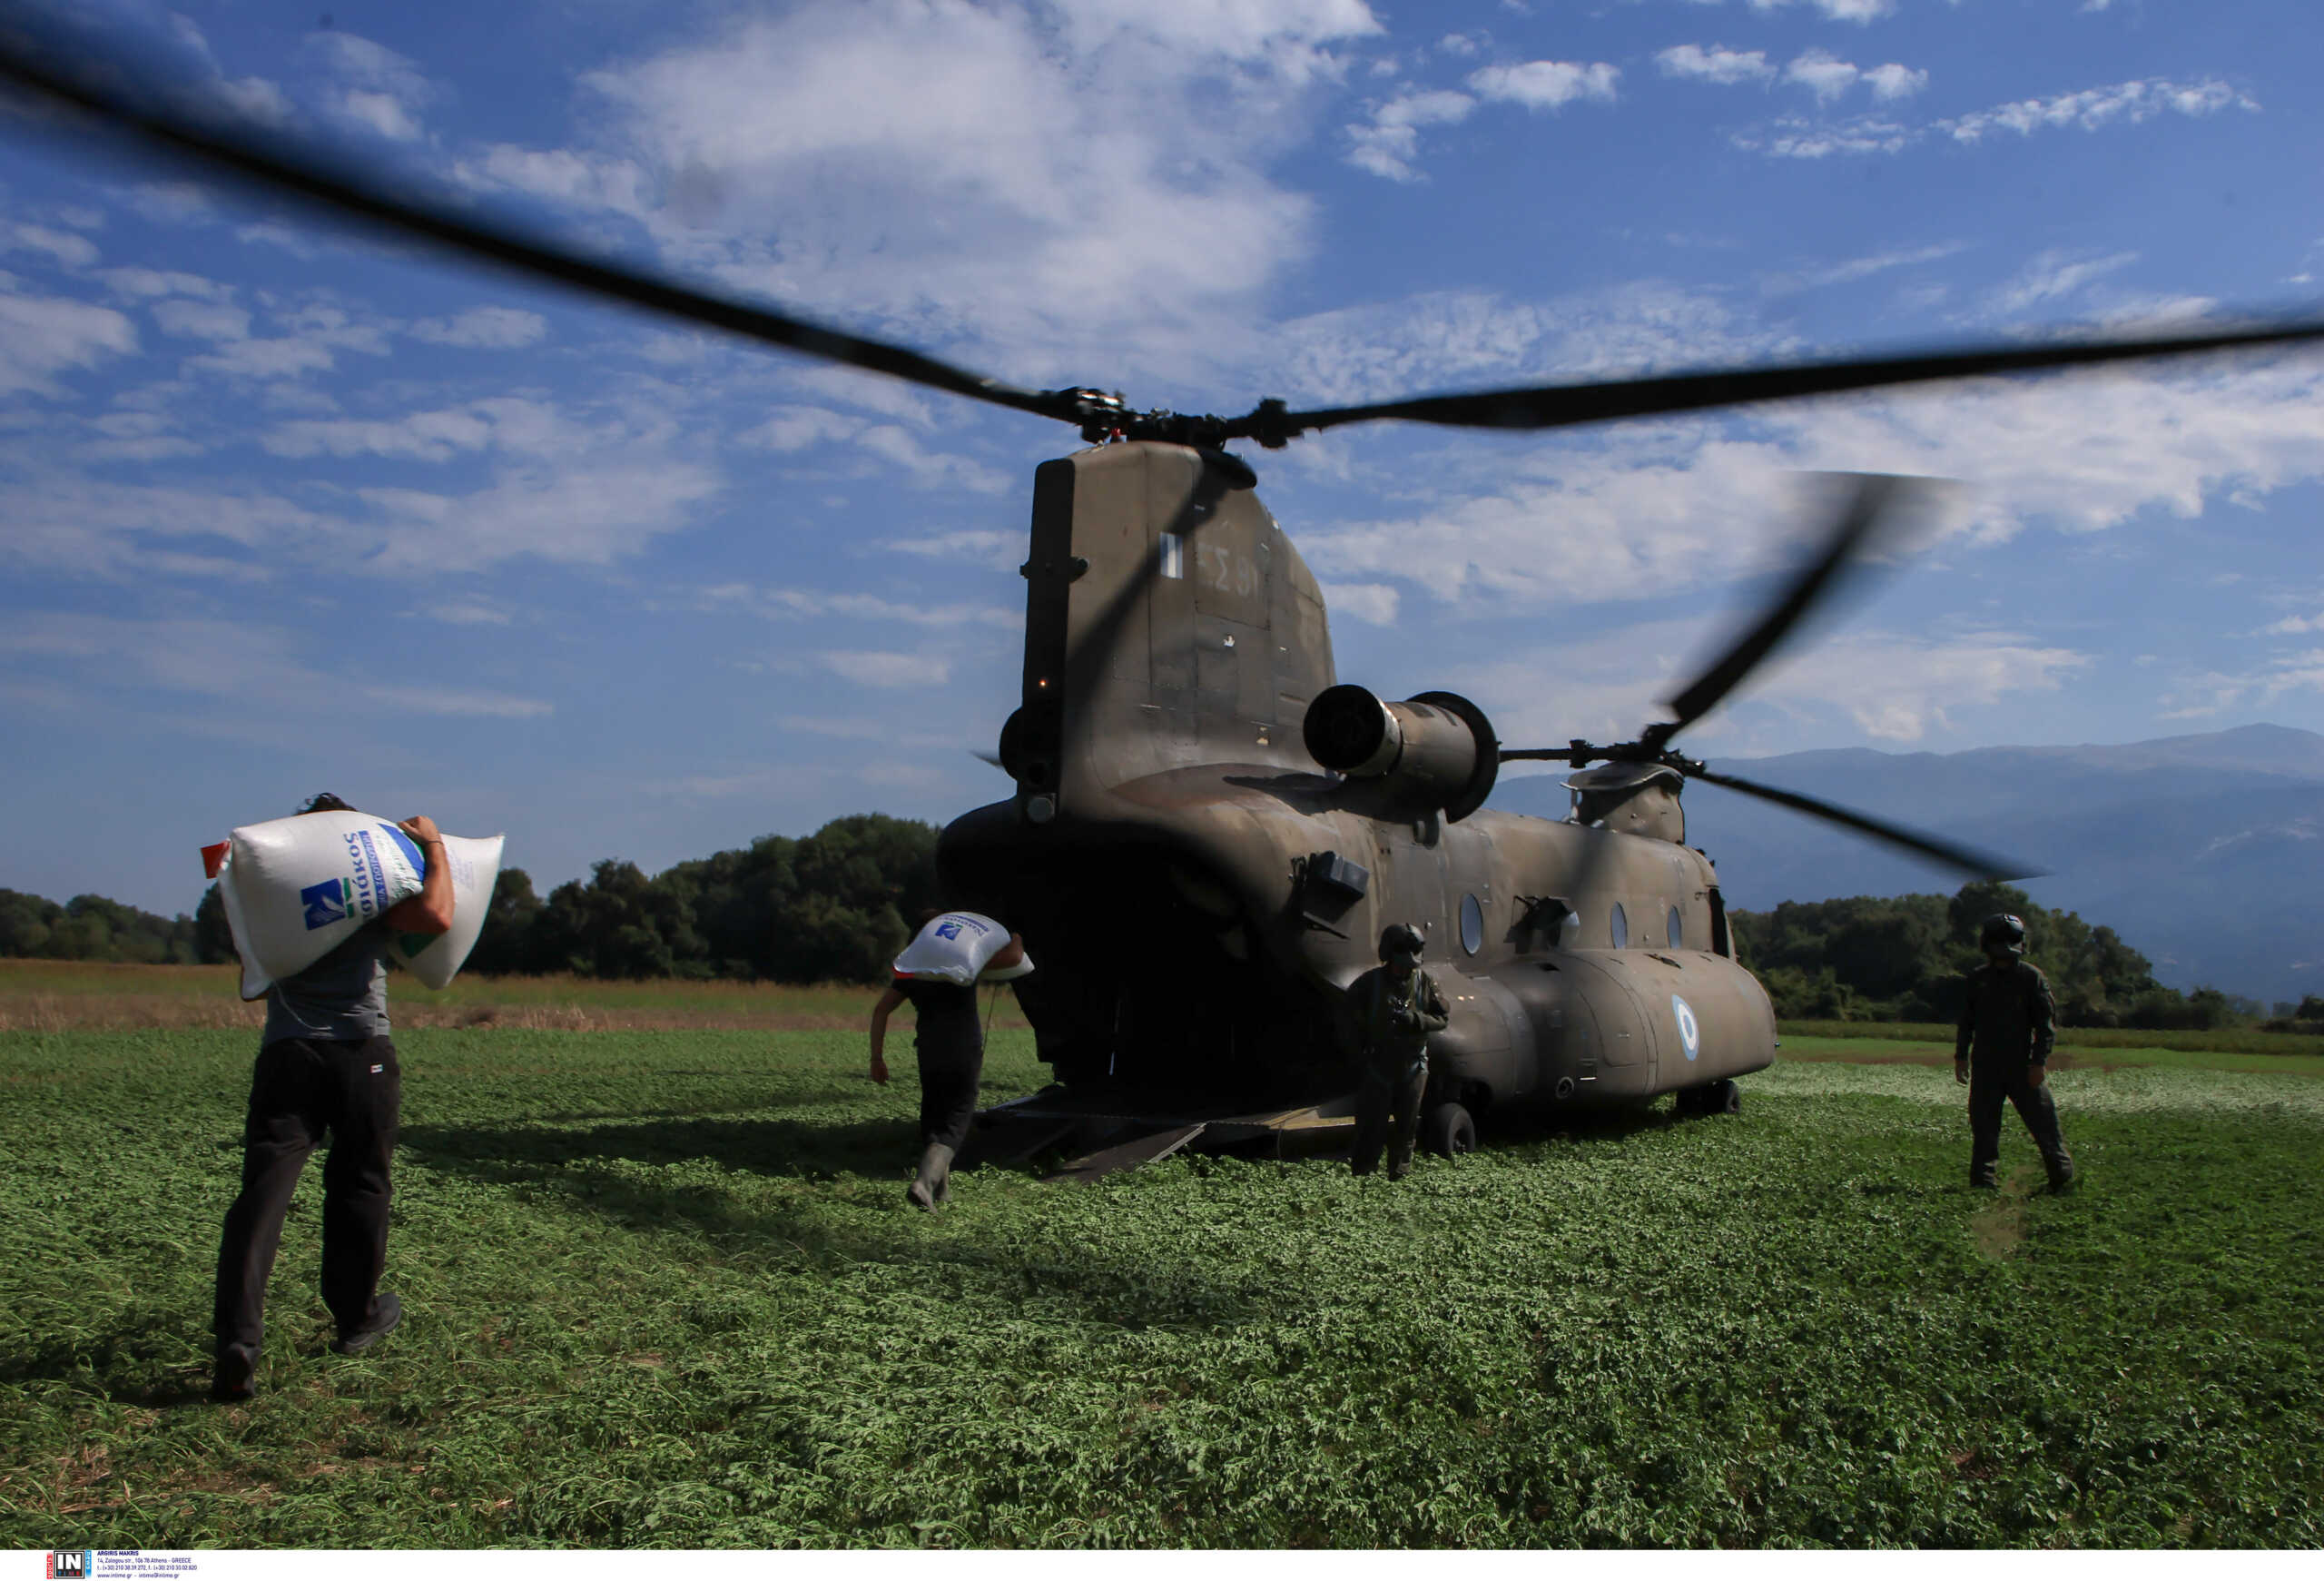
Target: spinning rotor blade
[[1571, 405], [143, 110], [1869, 503], [1963, 859], [71, 74]]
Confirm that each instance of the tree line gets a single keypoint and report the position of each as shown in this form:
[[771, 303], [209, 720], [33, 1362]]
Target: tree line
[[835, 906], [1903, 957], [830, 908]]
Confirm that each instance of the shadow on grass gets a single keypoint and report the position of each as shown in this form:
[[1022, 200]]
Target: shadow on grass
[[1130, 1295], [138, 1360], [795, 1147]]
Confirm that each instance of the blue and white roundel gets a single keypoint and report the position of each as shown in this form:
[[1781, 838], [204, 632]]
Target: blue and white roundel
[[1691, 1033]]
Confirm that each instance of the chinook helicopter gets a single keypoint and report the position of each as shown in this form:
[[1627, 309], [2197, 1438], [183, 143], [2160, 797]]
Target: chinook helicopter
[[1208, 828]]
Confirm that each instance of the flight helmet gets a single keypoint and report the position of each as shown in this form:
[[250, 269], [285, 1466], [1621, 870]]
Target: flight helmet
[[1401, 939], [2003, 929]]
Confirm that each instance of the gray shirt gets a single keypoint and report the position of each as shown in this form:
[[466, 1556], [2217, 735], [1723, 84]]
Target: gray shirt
[[343, 996]]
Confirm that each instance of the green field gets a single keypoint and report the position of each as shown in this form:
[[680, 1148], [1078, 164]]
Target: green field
[[663, 1289]]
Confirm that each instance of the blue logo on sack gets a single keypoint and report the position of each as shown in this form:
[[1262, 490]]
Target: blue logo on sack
[[948, 929], [326, 902]]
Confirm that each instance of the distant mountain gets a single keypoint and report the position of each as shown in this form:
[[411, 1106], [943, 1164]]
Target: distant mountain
[[2204, 851]]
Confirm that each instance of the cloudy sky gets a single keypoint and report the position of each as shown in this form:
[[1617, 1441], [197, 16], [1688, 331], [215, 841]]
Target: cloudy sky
[[283, 508]]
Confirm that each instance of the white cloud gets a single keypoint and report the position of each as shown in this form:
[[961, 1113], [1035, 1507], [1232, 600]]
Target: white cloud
[[1837, 10], [202, 321], [1547, 85], [1000, 551], [2054, 275], [138, 284], [371, 85], [587, 513], [1373, 603], [1855, 269], [1896, 82], [887, 669], [1084, 179], [1716, 64], [41, 336], [488, 329], [2127, 103], [799, 603], [460, 704], [64, 246], [1821, 73], [1794, 139], [1387, 145], [792, 429]]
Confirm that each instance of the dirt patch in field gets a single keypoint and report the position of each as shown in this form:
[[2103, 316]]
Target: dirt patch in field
[[1998, 1227]]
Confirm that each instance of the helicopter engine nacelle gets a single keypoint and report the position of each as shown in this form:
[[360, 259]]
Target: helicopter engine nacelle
[[1434, 751]]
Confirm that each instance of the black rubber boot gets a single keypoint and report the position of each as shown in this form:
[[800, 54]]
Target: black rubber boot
[[387, 1311], [933, 1184], [236, 1376]]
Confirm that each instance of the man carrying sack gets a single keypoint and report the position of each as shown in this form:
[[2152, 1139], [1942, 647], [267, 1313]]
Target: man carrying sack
[[325, 1063]]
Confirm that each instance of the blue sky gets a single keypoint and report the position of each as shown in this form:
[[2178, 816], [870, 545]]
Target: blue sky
[[283, 508]]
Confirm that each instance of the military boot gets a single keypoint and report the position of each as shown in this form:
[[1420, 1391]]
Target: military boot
[[933, 1182]]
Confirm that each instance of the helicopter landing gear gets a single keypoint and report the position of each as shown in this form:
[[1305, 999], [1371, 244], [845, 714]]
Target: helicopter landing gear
[[1711, 1098], [1448, 1130]]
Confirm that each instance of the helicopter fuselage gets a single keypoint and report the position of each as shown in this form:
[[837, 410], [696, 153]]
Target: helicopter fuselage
[[1199, 890]]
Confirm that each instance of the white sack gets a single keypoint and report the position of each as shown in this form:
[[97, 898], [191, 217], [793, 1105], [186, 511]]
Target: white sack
[[954, 948], [434, 958], [297, 888]]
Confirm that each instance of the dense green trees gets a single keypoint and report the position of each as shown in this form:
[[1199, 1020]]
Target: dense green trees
[[89, 927], [1903, 958], [837, 905], [833, 906]]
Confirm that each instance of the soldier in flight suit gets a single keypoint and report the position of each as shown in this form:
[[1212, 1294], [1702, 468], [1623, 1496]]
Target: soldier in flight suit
[[1395, 1005], [2003, 1053]]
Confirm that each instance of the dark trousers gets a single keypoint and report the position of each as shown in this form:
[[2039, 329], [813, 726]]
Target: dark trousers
[[1989, 1089], [1384, 1095], [948, 1095], [301, 1088]]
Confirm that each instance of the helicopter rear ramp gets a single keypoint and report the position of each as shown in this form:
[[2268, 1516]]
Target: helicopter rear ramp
[[1093, 1135]]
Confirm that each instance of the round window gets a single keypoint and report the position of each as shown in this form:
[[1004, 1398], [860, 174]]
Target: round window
[[1473, 924], [1618, 925], [1678, 931]]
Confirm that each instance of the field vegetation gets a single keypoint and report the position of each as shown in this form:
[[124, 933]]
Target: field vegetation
[[662, 1289]]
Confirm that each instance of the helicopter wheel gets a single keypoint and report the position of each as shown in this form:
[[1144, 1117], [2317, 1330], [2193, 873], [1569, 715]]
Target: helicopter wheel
[[1448, 1130], [1722, 1098]]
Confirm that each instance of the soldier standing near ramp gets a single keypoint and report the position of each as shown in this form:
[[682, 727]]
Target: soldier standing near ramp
[[1396, 1006], [2008, 1019]]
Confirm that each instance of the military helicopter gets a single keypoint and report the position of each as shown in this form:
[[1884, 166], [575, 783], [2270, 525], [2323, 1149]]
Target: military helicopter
[[1208, 829]]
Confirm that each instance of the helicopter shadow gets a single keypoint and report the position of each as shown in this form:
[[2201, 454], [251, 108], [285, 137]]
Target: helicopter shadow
[[1128, 1293]]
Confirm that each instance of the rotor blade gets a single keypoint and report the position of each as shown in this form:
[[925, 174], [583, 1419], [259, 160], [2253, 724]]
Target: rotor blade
[[303, 168], [1964, 859], [1868, 503], [1569, 405]]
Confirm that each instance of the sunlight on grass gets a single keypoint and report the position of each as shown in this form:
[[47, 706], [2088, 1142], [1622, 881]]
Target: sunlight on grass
[[663, 1290]]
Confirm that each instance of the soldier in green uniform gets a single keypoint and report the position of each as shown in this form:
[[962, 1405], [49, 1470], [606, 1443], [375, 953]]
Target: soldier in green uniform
[[2002, 1052], [1394, 1007]]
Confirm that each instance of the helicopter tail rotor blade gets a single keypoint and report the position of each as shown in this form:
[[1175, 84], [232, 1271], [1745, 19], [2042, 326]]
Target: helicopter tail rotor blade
[[1963, 859], [1872, 504], [138, 106]]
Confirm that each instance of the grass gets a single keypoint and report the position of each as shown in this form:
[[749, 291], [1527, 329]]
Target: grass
[[662, 1290]]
